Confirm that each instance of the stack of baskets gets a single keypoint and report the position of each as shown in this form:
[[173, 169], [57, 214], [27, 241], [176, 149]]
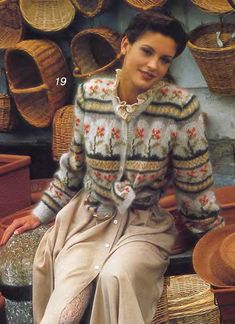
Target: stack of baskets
[[190, 301], [216, 64], [34, 69]]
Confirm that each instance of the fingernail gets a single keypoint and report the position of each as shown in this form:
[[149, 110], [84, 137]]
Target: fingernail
[[16, 232]]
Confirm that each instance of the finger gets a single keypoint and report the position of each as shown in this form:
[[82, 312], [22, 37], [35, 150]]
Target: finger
[[22, 229], [9, 232]]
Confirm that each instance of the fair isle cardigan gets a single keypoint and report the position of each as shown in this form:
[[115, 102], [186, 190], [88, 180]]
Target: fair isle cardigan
[[124, 155]]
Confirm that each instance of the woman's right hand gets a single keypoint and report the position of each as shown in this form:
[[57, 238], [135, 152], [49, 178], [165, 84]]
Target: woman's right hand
[[19, 226]]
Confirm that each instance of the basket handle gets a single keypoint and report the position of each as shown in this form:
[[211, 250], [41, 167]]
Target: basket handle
[[29, 90], [232, 3], [77, 71]]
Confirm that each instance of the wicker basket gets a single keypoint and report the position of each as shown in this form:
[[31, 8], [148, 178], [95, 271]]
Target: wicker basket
[[216, 64], [215, 6], [8, 120], [191, 301], [94, 50], [92, 8], [47, 16], [146, 4], [34, 70], [161, 315], [62, 131], [11, 26]]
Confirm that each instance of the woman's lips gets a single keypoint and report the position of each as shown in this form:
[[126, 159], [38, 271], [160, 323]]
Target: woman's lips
[[147, 75]]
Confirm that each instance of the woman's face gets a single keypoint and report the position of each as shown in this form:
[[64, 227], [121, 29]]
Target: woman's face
[[147, 60]]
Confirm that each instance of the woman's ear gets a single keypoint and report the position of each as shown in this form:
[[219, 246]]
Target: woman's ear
[[124, 45]]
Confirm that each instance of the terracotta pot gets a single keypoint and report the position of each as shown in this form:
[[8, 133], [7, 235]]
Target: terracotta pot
[[14, 183]]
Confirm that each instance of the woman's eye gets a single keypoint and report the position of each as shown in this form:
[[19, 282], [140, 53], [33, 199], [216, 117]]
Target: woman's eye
[[166, 60], [146, 51]]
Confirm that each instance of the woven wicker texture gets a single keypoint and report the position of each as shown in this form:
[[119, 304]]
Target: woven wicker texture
[[161, 314], [216, 64], [92, 8], [62, 131], [8, 119], [146, 4], [215, 6], [11, 27], [191, 301], [94, 50], [47, 15], [33, 67]]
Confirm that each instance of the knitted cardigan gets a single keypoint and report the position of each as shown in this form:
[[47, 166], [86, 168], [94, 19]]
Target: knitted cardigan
[[124, 155]]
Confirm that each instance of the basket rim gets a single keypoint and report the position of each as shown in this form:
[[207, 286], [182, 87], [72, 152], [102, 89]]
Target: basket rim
[[191, 45], [54, 29], [98, 9], [146, 7], [29, 53], [210, 11]]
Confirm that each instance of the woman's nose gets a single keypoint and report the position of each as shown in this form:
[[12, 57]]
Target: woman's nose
[[153, 64]]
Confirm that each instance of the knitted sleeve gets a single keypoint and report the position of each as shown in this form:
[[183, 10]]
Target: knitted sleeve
[[193, 171], [68, 179]]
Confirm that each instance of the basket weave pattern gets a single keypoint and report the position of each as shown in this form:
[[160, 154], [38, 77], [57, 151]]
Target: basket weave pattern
[[10, 24], [94, 50], [62, 131], [92, 8], [146, 4], [47, 16], [191, 301], [161, 315], [216, 64], [214, 6], [32, 69]]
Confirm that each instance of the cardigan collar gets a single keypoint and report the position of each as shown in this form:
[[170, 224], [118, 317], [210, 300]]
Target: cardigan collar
[[129, 111]]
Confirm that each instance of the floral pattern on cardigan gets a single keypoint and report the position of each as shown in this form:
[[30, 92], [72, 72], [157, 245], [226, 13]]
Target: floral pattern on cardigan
[[125, 155]]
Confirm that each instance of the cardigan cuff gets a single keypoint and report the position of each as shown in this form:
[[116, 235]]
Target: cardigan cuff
[[43, 213]]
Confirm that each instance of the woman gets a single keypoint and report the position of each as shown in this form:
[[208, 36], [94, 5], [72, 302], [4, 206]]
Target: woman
[[131, 134]]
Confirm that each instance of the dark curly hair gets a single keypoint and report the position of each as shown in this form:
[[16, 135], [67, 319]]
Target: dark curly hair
[[156, 21]]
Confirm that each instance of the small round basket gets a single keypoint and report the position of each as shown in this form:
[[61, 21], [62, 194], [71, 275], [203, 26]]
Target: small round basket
[[62, 131], [146, 4], [34, 70], [215, 6], [47, 16], [92, 8], [94, 50], [11, 26], [216, 64]]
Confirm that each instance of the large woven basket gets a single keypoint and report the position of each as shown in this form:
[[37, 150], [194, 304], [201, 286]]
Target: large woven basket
[[62, 131], [190, 301], [92, 8], [34, 70], [146, 4], [216, 64], [11, 26], [94, 50], [49, 15], [215, 6]]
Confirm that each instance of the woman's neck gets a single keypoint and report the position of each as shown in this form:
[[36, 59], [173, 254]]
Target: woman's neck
[[126, 92]]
